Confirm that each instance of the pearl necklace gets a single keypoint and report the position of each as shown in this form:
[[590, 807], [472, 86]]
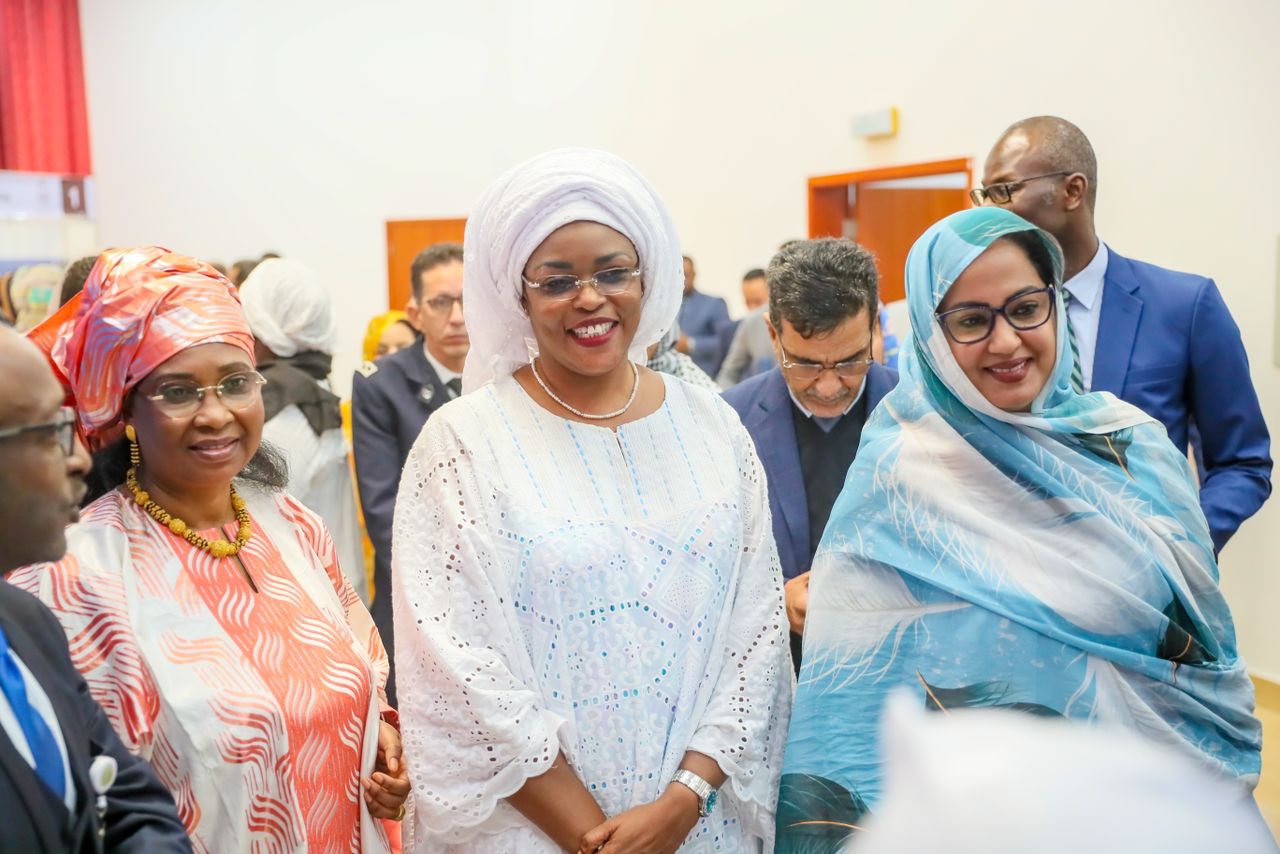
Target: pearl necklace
[[635, 387]]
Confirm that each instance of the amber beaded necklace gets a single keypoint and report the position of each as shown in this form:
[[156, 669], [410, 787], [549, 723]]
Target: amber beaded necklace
[[217, 548]]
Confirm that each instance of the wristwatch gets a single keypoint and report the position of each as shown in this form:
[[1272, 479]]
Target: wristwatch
[[705, 791]]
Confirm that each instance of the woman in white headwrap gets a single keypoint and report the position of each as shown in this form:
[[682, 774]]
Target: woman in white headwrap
[[290, 314], [588, 605]]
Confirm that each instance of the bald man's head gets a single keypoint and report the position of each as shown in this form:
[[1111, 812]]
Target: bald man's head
[[41, 485], [1056, 146]]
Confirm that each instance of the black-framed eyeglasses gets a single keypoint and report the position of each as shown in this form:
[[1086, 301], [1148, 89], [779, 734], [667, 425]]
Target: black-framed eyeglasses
[[1002, 194], [64, 425], [847, 370], [607, 283], [970, 324], [182, 398], [443, 304]]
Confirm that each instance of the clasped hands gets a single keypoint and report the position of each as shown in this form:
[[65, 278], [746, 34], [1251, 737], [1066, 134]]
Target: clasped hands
[[386, 790], [658, 827]]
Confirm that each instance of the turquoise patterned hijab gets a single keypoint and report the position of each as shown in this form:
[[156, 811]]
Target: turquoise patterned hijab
[[1054, 562]]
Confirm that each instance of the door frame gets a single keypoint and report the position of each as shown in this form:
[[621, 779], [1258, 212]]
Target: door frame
[[829, 194]]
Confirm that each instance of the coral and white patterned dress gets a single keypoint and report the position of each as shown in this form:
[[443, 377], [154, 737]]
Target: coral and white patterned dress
[[615, 595], [258, 709]]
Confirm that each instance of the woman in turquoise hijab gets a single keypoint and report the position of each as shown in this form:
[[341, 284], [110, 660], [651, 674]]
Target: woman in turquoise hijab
[[1003, 541]]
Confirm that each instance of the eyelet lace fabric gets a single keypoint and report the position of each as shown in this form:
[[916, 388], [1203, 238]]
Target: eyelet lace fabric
[[614, 595]]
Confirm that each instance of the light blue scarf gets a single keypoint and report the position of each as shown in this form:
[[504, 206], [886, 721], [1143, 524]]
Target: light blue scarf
[[1054, 562]]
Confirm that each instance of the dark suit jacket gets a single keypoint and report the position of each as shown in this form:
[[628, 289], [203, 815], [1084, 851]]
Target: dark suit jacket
[[140, 814], [700, 318], [1167, 344], [764, 405], [389, 407]]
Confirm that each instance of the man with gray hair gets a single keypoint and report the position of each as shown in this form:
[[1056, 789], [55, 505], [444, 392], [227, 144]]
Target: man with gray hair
[[806, 414], [1161, 340]]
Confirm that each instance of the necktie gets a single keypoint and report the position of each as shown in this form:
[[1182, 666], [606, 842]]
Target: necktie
[[1077, 377], [455, 386], [40, 739]]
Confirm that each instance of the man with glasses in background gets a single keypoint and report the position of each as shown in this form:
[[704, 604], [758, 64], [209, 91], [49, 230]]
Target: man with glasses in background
[[56, 743], [391, 400], [1161, 340], [806, 414]]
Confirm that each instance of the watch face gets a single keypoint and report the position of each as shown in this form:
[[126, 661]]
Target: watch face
[[711, 802]]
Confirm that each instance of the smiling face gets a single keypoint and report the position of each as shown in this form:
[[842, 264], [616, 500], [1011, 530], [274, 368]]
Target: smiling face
[[208, 448], [587, 334], [1010, 366]]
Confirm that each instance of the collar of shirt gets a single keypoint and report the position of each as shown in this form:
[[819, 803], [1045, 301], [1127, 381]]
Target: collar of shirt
[[828, 424], [441, 371], [1086, 286]]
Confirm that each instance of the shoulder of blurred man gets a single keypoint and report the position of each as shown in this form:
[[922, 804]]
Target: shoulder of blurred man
[[404, 374], [757, 395], [140, 816]]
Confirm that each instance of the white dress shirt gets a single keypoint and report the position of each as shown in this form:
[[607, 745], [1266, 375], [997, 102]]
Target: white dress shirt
[[1085, 309], [39, 701]]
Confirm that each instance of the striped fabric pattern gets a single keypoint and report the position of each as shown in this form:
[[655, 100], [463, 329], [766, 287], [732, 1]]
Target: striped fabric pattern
[[259, 710]]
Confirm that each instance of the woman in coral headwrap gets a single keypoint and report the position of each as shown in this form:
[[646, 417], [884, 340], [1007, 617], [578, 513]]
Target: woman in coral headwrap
[[204, 607]]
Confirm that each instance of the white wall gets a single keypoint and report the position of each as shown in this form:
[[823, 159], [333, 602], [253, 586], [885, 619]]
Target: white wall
[[223, 129]]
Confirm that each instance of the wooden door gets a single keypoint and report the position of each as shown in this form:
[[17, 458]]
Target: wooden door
[[887, 209], [891, 219], [405, 239]]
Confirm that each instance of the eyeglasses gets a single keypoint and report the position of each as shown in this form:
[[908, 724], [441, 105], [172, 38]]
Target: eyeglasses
[[846, 370], [970, 324], [64, 426], [179, 399], [1002, 194], [443, 304], [607, 283]]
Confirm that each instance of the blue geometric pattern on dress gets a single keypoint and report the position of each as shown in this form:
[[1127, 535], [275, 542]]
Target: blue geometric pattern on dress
[[1054, 562]]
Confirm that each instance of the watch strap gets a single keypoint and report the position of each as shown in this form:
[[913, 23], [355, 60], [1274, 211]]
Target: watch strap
[[705, 791]]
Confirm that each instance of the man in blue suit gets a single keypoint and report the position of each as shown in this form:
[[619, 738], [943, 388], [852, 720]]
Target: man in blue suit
[[700, 318], [52, 732], [1161, 340], [806, 415], [391, 400]]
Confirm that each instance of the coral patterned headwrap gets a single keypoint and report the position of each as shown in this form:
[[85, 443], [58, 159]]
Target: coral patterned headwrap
[[139, 308]]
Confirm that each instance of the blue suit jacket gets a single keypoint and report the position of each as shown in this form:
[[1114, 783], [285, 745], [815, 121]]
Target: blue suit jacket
[[1167, 344], [700, 318], [140, 815], [390, 402], [764, 405]]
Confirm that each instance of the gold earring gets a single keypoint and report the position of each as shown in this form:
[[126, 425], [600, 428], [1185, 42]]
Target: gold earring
[[135, 456]]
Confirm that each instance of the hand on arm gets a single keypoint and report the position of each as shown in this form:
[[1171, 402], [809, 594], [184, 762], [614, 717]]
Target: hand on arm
[[660, 826], [558, 803]]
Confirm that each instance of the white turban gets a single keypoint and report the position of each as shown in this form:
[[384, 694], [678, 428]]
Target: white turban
[[520, 210], [288, 309], [984, 781]]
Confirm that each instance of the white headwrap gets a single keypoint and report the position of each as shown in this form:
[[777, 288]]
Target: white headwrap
[[520, 210], [984, 781], [288, 309]]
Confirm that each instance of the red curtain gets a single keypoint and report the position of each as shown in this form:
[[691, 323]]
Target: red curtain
[[43, 123]]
